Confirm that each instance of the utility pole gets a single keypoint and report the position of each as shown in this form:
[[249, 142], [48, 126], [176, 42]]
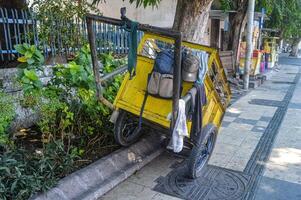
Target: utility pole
[[248, 61]]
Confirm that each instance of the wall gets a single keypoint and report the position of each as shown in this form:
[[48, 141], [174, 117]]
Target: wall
[[162, 16]]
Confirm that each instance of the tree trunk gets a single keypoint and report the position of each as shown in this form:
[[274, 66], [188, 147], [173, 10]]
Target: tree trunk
[[237, 23], [295, 47], [191, 19]]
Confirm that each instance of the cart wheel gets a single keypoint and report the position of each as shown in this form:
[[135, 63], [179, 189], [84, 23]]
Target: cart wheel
[[201, 152], [126, 129]]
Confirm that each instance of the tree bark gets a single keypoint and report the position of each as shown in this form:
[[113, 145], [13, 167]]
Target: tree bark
[[192, 18], [295, 47], [237, 23]]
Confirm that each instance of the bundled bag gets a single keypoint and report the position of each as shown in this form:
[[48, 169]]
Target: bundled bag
[[160, 83]]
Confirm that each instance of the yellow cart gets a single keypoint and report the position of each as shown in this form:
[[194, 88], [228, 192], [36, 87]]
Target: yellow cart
[[159, 113], [256, 61], [270, 47]]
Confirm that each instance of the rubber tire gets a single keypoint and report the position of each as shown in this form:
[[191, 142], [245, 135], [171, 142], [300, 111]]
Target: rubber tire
[[118, 128], [193, 172]]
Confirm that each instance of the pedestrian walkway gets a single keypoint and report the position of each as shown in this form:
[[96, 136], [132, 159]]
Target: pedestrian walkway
[[256, 157], [282, 177]]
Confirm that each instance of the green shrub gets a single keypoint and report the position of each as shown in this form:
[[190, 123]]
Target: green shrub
[[31, 62], [32, 58], [58, 19], [71, 122], [6, 116], [22, 173]]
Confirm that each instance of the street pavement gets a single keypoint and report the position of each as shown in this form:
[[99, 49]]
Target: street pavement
[[282, 177], [259, 143]]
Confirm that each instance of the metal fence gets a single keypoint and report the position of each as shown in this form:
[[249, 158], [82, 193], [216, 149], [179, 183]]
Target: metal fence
[[20, 26]]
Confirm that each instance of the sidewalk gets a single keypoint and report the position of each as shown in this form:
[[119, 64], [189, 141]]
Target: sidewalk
[[282, 177], [240, 167]]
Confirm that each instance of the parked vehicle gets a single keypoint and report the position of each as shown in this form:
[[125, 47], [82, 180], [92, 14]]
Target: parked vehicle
[[137, 109]]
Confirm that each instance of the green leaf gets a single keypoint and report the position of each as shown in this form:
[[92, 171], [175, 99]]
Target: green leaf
[[30, 61], [5, 169], [22, 59], [28, 54], [31, 75], [13, 186], [33, 48], [20, 49], [38, 84]]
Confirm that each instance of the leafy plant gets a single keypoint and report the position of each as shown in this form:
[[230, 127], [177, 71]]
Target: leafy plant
[[59, 21], [32, 58], [22, 173], [31, 62], [110, 63], [70, 118], [6, 116], [112, 89], [226, 4], [30, 80]]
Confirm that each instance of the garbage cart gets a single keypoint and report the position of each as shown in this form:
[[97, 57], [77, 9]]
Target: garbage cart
[[135, 107]]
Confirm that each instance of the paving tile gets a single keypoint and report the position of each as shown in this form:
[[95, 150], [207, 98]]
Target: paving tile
[[225, 124], [146, 178], [289, 130], [286, 157], [269, 113], [160, 196], [237, 127], [245, 121], [250, 141], [161, 165], [225, 149], [220, 160], [129, 191], [251, 115], [295, 105], [259, 129], [228, 118], [274, 189], [235, 140], [285, 173], [285, 142], [262, 123], [230, 114], [245, 152], [226, 130], [265, 119], [237, 163]]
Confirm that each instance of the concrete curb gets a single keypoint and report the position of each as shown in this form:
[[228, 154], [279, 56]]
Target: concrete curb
[[101, 176]]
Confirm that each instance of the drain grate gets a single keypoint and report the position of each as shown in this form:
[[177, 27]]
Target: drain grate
[[215, 183]]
